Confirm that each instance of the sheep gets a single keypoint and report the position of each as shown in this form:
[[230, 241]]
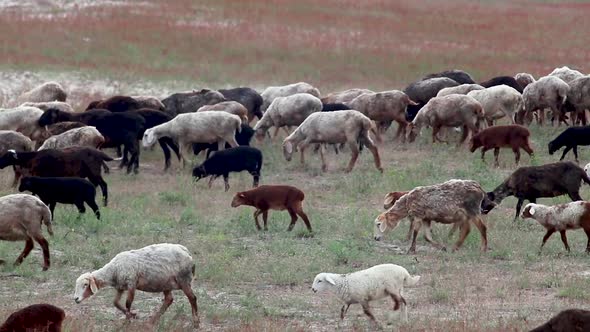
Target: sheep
[[570, 138], [449, 111], [21, 219], [49, 91], [115, 104], [498, 102], [36, 317], [578, 97], [456, 75], [241, 158], [53, 190], [79, 162], [451, 202], [162, 267], [532, 182], [84, 136], [566, 74], [243, 138], [44, 106], [503, 80], [367, 285], [11, 140], [547, 92], [272, 92], [150, 102], [347, 126], [462, 89], [199, 127], [22, 119], [383, 108], [191, 101], [343, 97], [566, 321], [56, 129], [513, 136], [422, 91], [277, 197], [247, 97], [287, 111], [231, 107], [524, 79]]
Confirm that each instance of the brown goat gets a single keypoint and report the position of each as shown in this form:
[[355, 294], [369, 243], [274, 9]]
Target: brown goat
[[567, 320], [273, 197], [36, 317], [512, 136]]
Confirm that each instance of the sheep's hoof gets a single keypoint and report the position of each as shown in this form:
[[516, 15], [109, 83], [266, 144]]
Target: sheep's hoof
[[131, 315], [45, 268]]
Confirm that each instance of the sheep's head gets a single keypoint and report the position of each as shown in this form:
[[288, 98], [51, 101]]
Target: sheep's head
[[260, 133], [86, 286], [528, 212], [552, 147], [413, 132], [384, 222], [49, 117], [323, 282], [9, 158], [25, 184], [149, 138], [488, 202], [239, 199], [474, 143], [288, 150], [199, 172]]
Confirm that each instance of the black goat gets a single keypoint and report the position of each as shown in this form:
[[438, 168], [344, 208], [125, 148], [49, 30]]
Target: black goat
[[570, 138], [243, 137]]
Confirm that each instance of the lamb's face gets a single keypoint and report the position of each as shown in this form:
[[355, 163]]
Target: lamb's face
[[9, 158], [24, 184], [552, 148], [381, 225], [322, 282], [85, 287], [239, 199], [149, 138]]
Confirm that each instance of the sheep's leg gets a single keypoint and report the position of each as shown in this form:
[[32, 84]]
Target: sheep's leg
[[81, 208], [483, 154], [181, 149], [465, 228], [464, 135], [428, 236], [410, 229], [518, 207], [226, 181], [299, 211], [276, 132], [587, 231], [453, 229], [265, 219], [367, 311], [117, 302], [192, 299], [324, 166], [213, 177], [575, 196], [166, 152], [416, 225], [168, 299], [29, 245], [565, 151], [355, 154], [481, 226], [302, 147], [231, 140], [343, 311], [576, 153], [106, 168], [516, 151], [98, 181], [256, 214], [255, 178], [400, 302], [527, 148], [496, 155], [94, 208], [124, 160], [564, 240], [546, 237], [128, 302], [366, 140], [293, 219], [220, 145], [52, 208]]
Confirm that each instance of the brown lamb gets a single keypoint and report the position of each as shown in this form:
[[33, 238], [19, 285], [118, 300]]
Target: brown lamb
[[273, 197], [36, 317], [515, 137], [566, 321]]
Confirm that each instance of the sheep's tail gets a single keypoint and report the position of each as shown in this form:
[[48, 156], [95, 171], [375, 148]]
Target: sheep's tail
[[411, 281], [104, 156], [46, 218], [410, 101]]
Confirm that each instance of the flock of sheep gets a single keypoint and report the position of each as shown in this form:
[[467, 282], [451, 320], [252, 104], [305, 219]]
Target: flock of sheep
[[53, 150]]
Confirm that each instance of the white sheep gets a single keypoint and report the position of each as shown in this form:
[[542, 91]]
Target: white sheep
[[367, 285], [547, 92], [566, 74], [524, 79], [23, 119], [83, 136], [333, 127], [156, 268], [462, 89], [21, 220], [343, 97], [44, 106], [498, 101], [287, 111], [49, 91], [232, 107], [198, 127], [269, 94]]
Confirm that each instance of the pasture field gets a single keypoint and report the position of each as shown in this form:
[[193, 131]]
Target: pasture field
[[261, 281]]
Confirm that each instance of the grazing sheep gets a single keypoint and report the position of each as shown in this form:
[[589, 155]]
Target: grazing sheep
[[199, 127], [49, 91], [241, 158], [150, 102], [11, 140], [498, 102], [231, 107], [578, 98], [510, 136], [462, 89], [84, 136], [532, 182], [191, 101], [22, 119], [44, 106], [566, 321], [448, 111], [36, 317], [456, 75], [367, 285], [422, 91], [570, 138], [451, 202], [503, 80], [247, 97], [566, 74], [333, 127], [21, 219], [62, 190], [275, 197], [243, 138], [272, 92], [547, 92], [56, 129], [287, 111], [162, 267], [343, 97], [524, 79]]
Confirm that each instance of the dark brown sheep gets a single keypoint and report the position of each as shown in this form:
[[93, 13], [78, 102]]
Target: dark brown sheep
[[510, 136], [273, 197], [566, 321], [36, 317]]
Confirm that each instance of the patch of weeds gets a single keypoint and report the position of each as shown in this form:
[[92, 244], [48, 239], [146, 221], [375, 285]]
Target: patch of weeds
[[576, 290], [503, 253], [173, 198], [439, 295], [342, 252]]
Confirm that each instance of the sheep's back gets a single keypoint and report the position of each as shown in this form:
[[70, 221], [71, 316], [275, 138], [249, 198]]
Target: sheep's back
[[446, 201]]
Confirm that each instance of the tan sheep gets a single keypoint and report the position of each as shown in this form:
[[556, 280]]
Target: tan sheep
[[498, 102], [232, 107], [272, 92], [44, 106], [49, 91], [84, 136], [462, 89], [343, 97], [286, 112]]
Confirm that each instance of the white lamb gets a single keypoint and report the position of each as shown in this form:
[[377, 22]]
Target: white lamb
[[499, 101], [23, 119], [273, 92], [198, 127], [364, 286], [83, 136], [287, 111], [156, 268]]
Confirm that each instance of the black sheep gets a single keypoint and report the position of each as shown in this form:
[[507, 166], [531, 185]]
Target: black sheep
[[243, 138], [238, 159], [115, 104], [331, 107], [247, 97], [63, 190], [502, 80], [570, 138], [567, 320]]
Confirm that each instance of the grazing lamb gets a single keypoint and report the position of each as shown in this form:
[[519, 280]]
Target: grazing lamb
[[566, 321], [231, 107], [367, 285], [524, 79], [21, 219], [448, 111], [36, 317], [456, 75], [272, 92], [162, 267], [570, 138], [49, 91], [333, 127], [238, 159], [422, 91], [287, 111], [60, 105], [243, 138], [84, 136], [199, 127], [451, 202], [11, 140], [561, 218], [503, 80], [62, 190], [566, 74], [462, 89], [275, 197], [532, 182], [510, 136], [578, 97], [191, 101], [22, 119], [498, 102], [247, 97], [343, 97], [547, 92]]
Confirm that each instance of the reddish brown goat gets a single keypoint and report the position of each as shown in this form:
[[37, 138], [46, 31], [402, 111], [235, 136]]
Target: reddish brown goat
[[567, 320], [36, 317], [512, 136], [273, 197]]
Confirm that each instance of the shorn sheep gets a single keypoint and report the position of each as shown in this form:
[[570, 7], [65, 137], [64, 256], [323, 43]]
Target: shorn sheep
[[272, 92], [566, 321], [450, 202], [362, 287], [561, 218], [275, 197], [156, 268], [83, 136], [287, 111], [570, 138], [21, 219], [49, 91], [333, 127], [36, 317], [498, 102], [515, 137]]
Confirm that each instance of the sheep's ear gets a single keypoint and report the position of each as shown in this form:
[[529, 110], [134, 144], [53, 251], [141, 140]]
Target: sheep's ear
[[241, 195], [532, 211], [288, 147], [93, 287], [382, 226], [330, 280]]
